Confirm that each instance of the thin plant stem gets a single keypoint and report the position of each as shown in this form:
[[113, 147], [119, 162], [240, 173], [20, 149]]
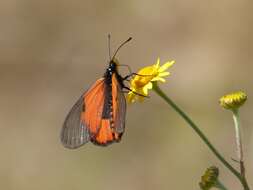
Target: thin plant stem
[[238, 138], [220, 185], [201, 134], [239, 148]]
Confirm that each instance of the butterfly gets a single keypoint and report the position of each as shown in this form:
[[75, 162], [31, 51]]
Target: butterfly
[[99, 114]]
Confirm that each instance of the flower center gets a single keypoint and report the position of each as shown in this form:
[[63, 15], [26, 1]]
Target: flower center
[[144, 77]]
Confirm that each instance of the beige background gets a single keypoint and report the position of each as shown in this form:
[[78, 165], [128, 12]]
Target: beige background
[[52, 50]]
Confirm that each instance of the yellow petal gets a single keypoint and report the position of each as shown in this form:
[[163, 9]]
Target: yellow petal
[[166, 65], [150, 85], [130, 97], [158, 79], [145, 90], [157, 63], [163, 74]]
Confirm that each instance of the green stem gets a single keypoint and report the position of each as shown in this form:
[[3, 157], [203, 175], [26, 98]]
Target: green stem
[[220, 185], [200, 133]]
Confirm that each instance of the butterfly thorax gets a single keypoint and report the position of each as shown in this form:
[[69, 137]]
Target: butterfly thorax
[[107, 111], [113, 68]]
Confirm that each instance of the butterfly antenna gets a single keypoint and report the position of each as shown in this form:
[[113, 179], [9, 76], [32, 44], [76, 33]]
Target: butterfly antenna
[[121, 46], [109, 45]]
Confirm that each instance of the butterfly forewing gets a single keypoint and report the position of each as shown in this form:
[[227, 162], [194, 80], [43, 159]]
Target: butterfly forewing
[[74, 133], [84, 118], [94, 101]]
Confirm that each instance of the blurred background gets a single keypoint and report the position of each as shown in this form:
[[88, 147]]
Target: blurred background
[[52, 50]]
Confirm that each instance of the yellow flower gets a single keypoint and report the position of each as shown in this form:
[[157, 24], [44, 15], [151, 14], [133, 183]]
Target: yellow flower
[[144, 79], [233, 101]]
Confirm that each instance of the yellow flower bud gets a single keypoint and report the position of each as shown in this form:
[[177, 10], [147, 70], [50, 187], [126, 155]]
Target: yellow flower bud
[[233, 101], [210, 178]]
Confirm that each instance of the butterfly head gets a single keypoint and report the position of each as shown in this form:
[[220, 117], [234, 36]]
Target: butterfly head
[[114, 63]]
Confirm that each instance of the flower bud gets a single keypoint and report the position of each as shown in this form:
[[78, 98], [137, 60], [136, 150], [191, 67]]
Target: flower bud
[[210, 178], [233, 101]]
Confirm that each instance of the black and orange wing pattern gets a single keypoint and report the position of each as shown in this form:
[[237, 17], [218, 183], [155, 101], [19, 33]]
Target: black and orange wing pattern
[[98, 116], [112, 127], [84, 118]]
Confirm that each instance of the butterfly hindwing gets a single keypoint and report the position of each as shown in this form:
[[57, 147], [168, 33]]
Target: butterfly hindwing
[[113, 118], [119, 105]]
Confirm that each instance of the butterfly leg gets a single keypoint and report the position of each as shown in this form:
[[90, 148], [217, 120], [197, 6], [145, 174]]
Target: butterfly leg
[[134, 74], [129, 89]]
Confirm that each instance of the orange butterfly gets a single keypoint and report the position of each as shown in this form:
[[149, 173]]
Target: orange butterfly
[[99, 114]]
